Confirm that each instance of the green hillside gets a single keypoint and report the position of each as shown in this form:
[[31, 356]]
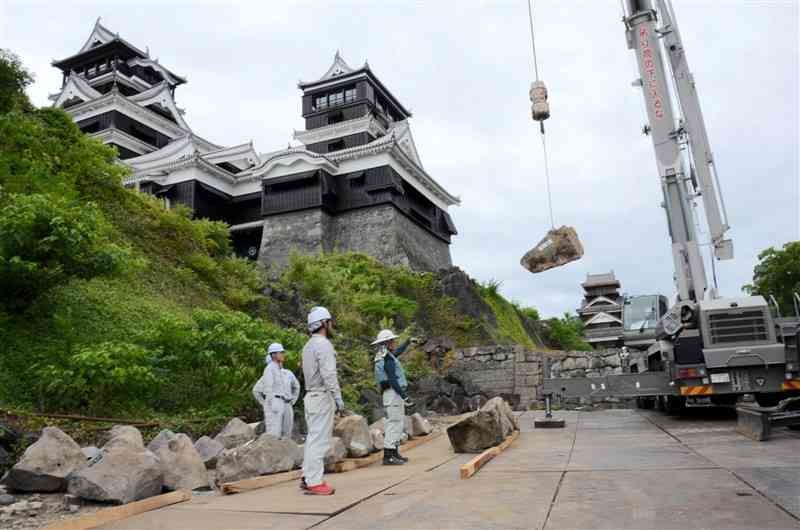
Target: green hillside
[[113, 305]]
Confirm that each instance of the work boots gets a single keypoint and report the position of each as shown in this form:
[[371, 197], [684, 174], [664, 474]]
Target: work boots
[[390, 458], [398, 455]]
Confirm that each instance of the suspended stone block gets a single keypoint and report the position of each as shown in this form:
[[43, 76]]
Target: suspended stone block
[[559, 247]]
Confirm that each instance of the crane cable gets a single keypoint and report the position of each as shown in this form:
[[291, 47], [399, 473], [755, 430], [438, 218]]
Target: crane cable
[[541, 123]]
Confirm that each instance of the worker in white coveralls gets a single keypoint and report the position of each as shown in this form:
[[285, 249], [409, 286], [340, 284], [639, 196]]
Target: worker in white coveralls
[[391, 379], [274, 394], [322, 401], [294, 390]]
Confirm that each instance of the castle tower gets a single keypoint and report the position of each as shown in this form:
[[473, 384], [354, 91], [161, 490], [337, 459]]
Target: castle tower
[[117, 93], [601, 311], [357, 183]]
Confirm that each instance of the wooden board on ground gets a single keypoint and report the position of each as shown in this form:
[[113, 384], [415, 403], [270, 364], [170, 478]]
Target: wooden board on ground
[[472, 467], [255, 483], [118, 513], [349, 464]]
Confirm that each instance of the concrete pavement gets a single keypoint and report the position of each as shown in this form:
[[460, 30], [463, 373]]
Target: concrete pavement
[[615, 469]]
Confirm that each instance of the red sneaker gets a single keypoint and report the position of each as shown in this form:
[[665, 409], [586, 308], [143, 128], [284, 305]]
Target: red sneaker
[[320, 489]]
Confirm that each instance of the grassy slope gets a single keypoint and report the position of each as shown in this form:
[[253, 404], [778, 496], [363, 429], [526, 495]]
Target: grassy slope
[[184, 310]]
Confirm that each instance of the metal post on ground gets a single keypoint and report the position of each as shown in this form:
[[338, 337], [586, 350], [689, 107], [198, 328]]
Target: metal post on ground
[[548, 422]]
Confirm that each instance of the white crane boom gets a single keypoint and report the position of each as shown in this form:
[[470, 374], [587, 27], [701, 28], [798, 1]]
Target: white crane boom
[[670, 128]]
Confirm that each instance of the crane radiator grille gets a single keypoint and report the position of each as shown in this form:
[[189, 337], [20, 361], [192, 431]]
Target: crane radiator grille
[[738, 327]]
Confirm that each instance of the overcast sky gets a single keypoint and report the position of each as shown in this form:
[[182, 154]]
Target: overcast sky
[[464, 69]]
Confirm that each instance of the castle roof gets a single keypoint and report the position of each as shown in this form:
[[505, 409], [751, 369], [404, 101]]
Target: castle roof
[[102, 41]]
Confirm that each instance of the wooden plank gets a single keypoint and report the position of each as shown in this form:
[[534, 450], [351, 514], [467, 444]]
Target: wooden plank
[[349, 464], [118, 513], [472, 467], [255, 483]]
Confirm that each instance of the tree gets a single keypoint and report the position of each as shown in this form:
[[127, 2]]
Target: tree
[[14, 78], [777, 273], [567, 333]]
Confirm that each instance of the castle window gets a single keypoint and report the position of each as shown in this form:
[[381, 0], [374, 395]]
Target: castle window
[[321, 102], [350, 95], [336, 98]]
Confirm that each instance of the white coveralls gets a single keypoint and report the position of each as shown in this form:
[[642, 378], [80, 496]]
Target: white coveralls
[[323, 397], [288, 412], [395, 417], [274, 394]]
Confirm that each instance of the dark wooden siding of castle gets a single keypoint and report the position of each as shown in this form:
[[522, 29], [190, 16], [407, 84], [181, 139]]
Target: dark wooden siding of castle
[[361, 189], [343, 142]]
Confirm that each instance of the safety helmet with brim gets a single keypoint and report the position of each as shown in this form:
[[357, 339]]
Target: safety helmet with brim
[[385, 335]]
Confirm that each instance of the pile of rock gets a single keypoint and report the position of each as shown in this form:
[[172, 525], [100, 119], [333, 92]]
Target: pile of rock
[[125, 470], [484, 428], [448, 395]]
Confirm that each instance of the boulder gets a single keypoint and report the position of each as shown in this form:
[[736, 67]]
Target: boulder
[[124, 435], [379, 425], [443, 405], [484, 428], [45, 465], [90, 452], [181, 464], [419, 425], [376, 436], [209, 449], [336, 453], [163, 438], [504, 409], [235, 433], [559, 247], [263, 456], [354, 433], [123, 472], [259, 428]]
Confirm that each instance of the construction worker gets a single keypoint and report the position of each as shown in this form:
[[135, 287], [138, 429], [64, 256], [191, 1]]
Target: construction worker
[[322, 401], [294, 391], [273, 393], [391, 379]]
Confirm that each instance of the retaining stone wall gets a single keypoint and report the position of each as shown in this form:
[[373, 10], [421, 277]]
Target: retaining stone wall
[[517, 373], [381, 231]]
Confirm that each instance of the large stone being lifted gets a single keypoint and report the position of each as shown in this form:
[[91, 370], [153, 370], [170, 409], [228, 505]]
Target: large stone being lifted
[[559, 247]]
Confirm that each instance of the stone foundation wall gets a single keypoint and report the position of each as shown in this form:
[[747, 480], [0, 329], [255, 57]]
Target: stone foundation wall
[[517, 373], [304, 231], [382, 232]]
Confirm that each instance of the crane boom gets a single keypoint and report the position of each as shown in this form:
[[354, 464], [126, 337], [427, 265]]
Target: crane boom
[[695, 128], [670, 129]]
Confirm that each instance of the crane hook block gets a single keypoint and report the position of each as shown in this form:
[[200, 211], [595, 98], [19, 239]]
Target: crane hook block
[[540, 109]]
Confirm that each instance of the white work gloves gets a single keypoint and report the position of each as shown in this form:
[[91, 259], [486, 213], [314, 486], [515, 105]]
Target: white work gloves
[[339, 405], [408, 403]]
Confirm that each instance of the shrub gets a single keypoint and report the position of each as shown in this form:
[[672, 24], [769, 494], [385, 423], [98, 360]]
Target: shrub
[[44, 240], [567, 332], [103, 376]]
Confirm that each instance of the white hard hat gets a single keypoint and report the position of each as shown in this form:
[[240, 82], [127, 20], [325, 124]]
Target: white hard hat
[[275, 347], [317, 314], [385, 335]]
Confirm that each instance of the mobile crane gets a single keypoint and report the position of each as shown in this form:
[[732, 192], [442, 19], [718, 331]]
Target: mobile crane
[[709, 348]]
